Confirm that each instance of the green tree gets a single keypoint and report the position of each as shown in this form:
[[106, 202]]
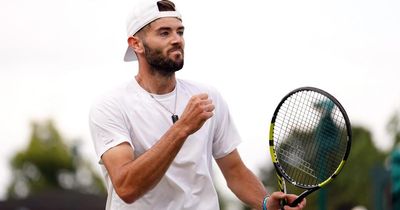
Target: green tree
[[355, 185], [48, 163]]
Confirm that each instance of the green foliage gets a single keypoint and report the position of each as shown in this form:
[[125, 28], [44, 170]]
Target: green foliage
[[48, 163], [357, 175]]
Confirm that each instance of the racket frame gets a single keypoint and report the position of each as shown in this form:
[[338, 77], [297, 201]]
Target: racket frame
[[281, 175]]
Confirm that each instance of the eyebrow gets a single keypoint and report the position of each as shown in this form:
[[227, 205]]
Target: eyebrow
[[169, 28]]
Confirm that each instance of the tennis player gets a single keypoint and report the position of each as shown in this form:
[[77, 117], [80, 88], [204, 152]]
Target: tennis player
[[156, 135]]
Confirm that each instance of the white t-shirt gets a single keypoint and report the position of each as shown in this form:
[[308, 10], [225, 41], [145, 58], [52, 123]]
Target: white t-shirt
[[130, 114]]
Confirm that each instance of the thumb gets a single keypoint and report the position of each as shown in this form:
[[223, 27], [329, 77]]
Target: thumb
[[278, 195], [274, 201]]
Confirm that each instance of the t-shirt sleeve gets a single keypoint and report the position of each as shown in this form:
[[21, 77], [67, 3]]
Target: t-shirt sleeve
[[226, 137], [107, 126]]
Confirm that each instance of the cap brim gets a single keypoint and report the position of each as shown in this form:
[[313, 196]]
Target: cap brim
[[130, 55]]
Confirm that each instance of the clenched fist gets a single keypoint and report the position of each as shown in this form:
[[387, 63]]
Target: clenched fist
[[198, 110]]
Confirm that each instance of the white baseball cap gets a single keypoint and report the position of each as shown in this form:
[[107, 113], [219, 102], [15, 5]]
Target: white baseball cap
[[143, 13]]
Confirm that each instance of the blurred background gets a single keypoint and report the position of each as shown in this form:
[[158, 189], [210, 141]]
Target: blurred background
[[56, 57]]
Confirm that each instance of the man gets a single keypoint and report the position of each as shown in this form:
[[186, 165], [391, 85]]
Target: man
[[156, 135]]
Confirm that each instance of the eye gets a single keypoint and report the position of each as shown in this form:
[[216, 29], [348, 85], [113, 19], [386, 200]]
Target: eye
[[180, 33], [164, 33]]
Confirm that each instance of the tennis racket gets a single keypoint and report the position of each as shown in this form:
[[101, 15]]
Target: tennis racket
[[309, 139]]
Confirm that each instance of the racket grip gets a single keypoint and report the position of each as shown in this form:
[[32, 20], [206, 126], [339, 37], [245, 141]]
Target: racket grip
[[296, 202], [283, 202]]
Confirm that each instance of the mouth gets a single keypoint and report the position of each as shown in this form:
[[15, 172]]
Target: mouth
[[176, 49], [176, 52]]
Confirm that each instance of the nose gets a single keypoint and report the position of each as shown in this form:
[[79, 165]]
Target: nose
[[177, 38]]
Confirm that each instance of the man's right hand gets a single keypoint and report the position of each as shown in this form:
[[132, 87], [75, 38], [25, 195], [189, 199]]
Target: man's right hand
[[198, 110]]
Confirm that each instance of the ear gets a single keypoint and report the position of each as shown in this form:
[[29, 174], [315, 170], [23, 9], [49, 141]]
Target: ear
[[136, 44]]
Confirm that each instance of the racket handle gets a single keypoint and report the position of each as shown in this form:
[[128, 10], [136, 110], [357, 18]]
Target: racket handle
[[296, 202], [283, 202]]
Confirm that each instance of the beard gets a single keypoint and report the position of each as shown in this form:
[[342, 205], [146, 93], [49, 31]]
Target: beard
[[163, 64]]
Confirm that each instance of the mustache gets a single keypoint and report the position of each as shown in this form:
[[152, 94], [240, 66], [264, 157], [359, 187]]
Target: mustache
[[176, 48]]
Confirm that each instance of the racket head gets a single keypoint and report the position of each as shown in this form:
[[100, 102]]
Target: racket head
[[310, 138]]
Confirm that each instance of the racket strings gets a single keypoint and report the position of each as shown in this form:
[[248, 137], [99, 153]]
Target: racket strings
[[309, 137]]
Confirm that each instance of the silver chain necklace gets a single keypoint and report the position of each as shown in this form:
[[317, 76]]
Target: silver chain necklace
[[174, 117]]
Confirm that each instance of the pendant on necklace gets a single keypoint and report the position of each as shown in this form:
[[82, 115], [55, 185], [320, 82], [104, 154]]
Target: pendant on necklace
[[174, 118]]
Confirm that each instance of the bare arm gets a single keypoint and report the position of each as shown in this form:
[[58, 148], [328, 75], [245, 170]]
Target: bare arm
[[246, 186], [132, 177], [243, 183]]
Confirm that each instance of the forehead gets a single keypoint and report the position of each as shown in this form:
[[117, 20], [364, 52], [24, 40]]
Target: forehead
[[166, 22]]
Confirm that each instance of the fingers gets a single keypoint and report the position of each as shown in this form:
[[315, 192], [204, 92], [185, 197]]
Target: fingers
[[201, 96], [274, 201], [291, 198], [201, 103], [276, 197], [208, 107], [198, 110]]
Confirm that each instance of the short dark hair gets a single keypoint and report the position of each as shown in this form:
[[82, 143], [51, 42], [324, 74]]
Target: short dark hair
[[166, 5]]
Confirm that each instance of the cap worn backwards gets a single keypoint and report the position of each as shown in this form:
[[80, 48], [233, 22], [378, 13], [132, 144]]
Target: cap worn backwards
[[142, 14]]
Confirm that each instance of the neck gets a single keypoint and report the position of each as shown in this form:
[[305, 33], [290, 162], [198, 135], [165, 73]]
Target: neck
[[156, 83], [153, 81]]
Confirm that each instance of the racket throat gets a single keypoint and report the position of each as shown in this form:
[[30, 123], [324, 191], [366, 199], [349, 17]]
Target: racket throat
[[284, 187]]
